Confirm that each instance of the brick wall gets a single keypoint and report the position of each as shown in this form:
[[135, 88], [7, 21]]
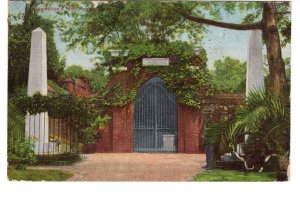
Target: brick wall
[[118, 135], [122, 128], [78, 86], [181, 129], [190, 125], [104, 145]]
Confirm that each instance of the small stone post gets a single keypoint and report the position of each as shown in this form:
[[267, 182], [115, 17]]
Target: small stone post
[[37, 126]]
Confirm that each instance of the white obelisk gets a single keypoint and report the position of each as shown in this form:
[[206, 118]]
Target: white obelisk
[[37, 126], [255, 67]]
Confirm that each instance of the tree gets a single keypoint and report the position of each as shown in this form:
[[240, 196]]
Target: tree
[[135, 21], [97, 79], [119, 24], [125, 23], [19, 37], [269, 26], [75, 71], [229, 75]]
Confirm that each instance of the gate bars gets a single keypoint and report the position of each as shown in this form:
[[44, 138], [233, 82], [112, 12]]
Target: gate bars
[[155, 118]]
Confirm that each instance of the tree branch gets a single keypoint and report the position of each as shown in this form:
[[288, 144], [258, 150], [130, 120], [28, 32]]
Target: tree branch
[[233, 26]]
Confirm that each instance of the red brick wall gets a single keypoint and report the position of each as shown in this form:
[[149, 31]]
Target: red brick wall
[[122, 128], [118, 136], [190, 124], [78, 86], [104, 145], [181, 129]]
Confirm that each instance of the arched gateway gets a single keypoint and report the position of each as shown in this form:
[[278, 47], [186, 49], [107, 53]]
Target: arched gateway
[[155, 118], [154, 121]]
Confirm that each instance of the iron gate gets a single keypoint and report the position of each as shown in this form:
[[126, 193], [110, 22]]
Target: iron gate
[[155, 118]]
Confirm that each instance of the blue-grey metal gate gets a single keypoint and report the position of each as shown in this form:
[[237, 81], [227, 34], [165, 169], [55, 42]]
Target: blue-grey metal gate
[[155, 118]]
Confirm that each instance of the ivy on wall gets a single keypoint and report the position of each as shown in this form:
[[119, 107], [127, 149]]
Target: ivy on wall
[[190, 85]]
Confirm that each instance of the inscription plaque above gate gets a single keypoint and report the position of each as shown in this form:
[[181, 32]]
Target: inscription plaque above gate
[[155, 61]]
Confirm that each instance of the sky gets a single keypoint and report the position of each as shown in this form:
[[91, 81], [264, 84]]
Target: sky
[[218, 42]]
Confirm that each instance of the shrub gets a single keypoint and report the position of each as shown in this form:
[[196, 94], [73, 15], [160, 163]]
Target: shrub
[[89, 134], [22, 155]]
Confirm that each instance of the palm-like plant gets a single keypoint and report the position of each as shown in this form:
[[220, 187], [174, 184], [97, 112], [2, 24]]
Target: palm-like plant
[[266, 119], [224, 136]]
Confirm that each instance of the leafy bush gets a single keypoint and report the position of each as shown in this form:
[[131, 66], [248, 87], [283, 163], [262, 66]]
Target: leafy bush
[[22, 155], [90, 133]]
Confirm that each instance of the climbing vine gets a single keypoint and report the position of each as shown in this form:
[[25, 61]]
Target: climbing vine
[[187, 75]]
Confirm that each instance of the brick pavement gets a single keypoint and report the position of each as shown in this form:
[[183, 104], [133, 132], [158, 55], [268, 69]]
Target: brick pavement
[[135, 167]]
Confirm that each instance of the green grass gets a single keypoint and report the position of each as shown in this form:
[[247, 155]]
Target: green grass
[[231, 175], [38, 175]]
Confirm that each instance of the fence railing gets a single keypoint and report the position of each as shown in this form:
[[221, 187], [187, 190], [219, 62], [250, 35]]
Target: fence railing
[[63, 136], [53, 135]]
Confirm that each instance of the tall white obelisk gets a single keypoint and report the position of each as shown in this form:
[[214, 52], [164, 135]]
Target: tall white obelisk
[[37, 126], [255, 67]]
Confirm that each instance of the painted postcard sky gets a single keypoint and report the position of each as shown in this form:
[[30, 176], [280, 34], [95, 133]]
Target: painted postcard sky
[[218, 42]]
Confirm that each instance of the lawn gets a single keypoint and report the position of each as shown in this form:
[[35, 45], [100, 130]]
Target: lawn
[[231, 175], [38, 175]]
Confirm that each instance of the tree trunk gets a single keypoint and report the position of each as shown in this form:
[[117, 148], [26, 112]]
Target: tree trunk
[[268, 25], [278, 83]]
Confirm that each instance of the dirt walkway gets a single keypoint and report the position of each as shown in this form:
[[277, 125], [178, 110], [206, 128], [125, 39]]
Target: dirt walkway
[[135, 167]]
